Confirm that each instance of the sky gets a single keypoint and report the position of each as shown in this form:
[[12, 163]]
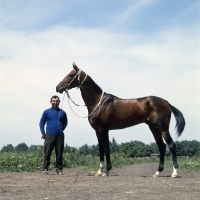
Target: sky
[[130, 48]]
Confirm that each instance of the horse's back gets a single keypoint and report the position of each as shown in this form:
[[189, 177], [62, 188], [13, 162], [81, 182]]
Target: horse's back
[[117, 113]]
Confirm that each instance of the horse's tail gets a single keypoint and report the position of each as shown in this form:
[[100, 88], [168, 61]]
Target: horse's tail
[[180, 121]]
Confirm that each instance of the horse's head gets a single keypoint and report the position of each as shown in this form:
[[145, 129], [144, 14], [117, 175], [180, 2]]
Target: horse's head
[[70, 81]]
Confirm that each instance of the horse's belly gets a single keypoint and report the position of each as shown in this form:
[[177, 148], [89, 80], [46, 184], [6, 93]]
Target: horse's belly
[[125, 123]]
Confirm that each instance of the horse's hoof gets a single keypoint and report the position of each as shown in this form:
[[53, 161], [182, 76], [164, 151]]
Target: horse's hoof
[[174, 175], [156, 174], [98, 174], [105, 174]]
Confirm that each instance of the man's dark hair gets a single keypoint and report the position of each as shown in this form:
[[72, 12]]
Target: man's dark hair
[[54, 97]]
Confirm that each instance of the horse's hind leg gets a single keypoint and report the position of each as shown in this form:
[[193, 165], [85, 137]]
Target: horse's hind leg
[[161, 146], [172, 148]]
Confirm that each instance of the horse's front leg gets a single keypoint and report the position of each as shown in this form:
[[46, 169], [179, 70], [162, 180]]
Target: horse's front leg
[[107, 153], [101, 153], [101, 167], [103, 140]]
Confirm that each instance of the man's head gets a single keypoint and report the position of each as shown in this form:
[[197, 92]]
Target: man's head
[[55, 101]]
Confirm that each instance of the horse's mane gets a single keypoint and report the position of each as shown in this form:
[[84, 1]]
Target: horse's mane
[[94, 84]]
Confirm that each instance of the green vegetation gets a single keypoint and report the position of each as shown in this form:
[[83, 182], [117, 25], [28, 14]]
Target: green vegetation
[[31, 162], [24, 158], [192, 163]]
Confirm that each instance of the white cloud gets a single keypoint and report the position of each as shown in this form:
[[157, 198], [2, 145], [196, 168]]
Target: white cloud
[[131, 10], [128, 66]]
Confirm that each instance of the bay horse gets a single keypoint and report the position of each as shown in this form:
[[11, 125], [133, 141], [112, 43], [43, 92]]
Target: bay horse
[[108, 112]]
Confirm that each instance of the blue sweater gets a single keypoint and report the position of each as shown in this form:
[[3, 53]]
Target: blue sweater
[[55, 120]]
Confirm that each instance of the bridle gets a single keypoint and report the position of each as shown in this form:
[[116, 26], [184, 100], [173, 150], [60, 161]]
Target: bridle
[[80, 85], [77, 74]]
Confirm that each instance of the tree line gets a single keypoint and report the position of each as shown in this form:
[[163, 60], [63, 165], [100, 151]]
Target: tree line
[[127, 149]]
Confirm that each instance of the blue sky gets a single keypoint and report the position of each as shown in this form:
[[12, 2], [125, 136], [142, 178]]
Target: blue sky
[[140, 16], [130, 48]]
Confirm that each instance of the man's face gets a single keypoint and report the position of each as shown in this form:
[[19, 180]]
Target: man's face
[[55, 102]]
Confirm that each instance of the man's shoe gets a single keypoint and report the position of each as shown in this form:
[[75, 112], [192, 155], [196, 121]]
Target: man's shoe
[[45, 172], [60, 173]]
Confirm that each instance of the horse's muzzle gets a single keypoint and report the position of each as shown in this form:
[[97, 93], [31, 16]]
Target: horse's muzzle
[[60, 89]]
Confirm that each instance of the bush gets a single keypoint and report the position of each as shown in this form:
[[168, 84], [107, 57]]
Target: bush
[[32, 161]]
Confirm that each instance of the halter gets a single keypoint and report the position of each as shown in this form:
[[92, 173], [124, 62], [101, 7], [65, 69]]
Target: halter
[[77, 74], [80, 84]]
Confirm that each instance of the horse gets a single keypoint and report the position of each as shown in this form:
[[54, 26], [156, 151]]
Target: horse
[[108, 112]]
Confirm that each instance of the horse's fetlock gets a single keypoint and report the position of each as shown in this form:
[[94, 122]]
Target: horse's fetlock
[[175, 165], [161, 168]]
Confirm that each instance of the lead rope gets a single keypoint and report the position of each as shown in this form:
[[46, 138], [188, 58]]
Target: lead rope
[[92, 111], [62, 101], [59, 112], [73, 101]]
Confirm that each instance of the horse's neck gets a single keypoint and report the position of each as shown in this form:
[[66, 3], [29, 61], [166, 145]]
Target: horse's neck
[[91, 93]]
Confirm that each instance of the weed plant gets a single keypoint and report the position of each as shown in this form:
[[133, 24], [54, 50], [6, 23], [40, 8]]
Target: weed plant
[[192, 163], [32, 161]]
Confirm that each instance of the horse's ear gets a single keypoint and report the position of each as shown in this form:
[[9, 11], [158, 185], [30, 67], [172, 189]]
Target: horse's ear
[[75, 67]]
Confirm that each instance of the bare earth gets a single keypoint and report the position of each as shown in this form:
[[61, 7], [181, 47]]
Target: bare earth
[[132, 182]]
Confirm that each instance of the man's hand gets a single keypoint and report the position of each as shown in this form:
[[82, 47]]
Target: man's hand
[[43, 136]]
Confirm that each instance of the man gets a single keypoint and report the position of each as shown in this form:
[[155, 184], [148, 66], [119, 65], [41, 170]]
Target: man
[[56, 122]]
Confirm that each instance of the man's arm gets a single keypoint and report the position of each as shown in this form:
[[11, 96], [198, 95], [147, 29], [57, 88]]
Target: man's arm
[[65, 121], [42, 124], [43, 136]]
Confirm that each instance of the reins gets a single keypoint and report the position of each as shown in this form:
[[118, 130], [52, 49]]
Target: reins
[[78, 74]]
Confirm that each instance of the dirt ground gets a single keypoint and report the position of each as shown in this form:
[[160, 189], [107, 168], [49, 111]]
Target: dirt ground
[[132, 182]]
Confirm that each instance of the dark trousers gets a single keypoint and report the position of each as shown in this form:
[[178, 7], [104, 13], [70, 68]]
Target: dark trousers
[[51, 142]]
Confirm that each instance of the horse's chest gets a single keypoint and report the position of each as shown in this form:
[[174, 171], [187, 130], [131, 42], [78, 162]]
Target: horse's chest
[[93, 122]]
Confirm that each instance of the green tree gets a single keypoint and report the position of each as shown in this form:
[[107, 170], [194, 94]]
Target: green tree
[[84, 150], [195, 145], [94, 150], [34, 148], [136, 149], [124, 148], [22, 147], [151, 149], [133, 149], [185, 147], [68, 149], [7, 148], [114, 148], [179, 149]]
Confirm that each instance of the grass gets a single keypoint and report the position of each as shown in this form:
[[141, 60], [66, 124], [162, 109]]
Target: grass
[[192, 163], [32, 161]]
